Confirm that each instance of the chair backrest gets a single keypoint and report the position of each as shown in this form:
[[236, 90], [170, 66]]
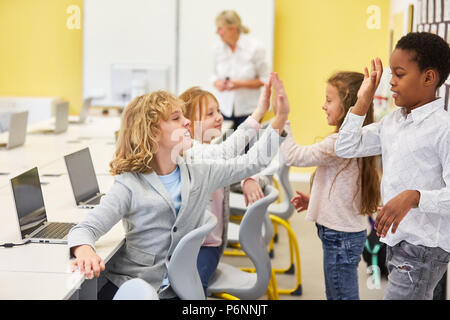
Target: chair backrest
[[136, 289], [253, 243], [182, 269], [267, 230], [285, 208]]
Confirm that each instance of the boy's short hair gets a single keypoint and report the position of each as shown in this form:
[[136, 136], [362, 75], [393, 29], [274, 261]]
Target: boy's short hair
[[431, 52]]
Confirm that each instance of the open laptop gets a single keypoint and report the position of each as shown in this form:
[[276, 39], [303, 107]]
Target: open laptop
[[31, 212], [17, 130], [83, 179], [61, 123], [83, 113]]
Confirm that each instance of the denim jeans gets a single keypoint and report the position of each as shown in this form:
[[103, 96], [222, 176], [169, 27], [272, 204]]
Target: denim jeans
[[414, 271], [207, 261], [341, 255]]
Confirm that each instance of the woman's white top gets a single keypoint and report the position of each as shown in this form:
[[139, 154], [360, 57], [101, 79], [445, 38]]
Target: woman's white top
[[247, 62]]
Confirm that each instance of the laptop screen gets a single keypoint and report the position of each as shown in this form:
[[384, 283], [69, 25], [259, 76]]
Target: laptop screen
[[82, 175], [29, 201]]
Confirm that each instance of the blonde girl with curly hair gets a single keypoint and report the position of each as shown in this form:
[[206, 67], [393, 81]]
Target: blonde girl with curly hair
[[160, 191]]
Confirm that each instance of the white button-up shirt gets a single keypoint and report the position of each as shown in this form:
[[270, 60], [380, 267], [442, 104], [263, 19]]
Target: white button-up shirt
[[415, 151], [247, 62]]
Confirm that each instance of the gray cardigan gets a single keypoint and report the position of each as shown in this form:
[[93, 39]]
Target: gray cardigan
[[152, 227]]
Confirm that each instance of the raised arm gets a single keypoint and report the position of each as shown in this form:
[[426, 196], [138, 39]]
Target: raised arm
[[259, 156], [354, 140], [318, 154], [235, 144]]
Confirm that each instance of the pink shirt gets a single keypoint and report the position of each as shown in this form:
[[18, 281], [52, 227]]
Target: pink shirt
[[333, 205], [214, 239]]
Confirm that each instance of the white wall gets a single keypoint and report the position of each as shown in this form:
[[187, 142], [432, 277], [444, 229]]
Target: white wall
[[126, 31], [177, 33]]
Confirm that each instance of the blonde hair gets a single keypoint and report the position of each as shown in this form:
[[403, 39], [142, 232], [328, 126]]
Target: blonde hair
[[136, 144], [196, 102], [231, 18]]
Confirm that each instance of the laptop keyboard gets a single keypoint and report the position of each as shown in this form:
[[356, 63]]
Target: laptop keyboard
[[95, 200], [54, 230]]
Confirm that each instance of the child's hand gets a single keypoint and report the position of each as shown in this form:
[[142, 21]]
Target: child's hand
[[301, 201], [87, 261], [281, 103], [252, 191], [368, 87], [263, 102], [395, 210]]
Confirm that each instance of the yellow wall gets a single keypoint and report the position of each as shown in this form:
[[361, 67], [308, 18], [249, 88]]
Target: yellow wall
[[397, 31], [313, 39], [39, 55]]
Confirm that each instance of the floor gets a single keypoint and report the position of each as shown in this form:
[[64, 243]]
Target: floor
[[312, 278]]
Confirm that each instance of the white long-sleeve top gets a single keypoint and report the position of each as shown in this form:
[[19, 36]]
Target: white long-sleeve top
[[335, 200], [415, 151]]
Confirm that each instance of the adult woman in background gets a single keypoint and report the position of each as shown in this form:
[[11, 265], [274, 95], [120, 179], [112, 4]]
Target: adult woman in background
[[239, 68]]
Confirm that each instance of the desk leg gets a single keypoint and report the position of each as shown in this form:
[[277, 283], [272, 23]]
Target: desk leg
[[88, 290]]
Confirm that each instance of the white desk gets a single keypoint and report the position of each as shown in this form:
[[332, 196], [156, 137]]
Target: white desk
[[39, 108], [46, 151], [38, 286], [42, 271]]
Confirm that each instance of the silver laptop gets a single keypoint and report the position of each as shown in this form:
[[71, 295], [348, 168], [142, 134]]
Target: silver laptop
[[61, 123], [17, 130], [31, 212], [83, 113], [83, 179]]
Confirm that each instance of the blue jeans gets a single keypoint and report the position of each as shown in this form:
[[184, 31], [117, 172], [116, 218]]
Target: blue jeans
[[341, 255], [414, 271], [207, 261]]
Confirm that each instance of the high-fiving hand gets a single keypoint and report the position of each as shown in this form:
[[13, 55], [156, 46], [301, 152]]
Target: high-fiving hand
[[281, 103], [368, 87]]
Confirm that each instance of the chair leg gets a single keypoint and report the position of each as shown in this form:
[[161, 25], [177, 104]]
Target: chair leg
[[275, 232], [271, 249], [291, 268], [225, 296], [274, 287], [293, 241], [234, 253]]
